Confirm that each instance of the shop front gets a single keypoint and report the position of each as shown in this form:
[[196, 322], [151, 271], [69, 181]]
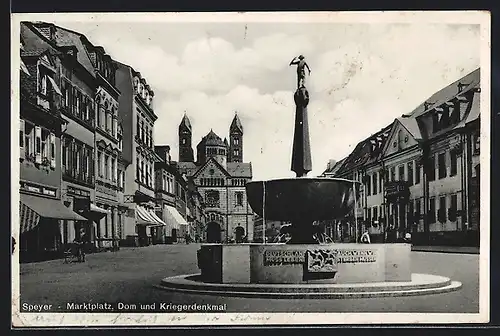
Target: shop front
[[176, 224], [147, 223], [40, 227], [397, 195]]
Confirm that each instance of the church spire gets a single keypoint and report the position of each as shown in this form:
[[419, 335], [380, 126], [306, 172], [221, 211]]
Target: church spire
[[185, 123], [236, 124]]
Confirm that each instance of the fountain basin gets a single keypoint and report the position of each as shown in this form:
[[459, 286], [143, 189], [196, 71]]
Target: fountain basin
[[304, 263], [301, 200]]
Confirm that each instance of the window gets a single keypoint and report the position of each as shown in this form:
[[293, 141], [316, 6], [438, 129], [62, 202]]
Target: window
[[113, 168], [236, 152], [143, 172], [401, 173], [410, 172], [43, 84], [432, 210], [442, 165], [476, 139], [375, 213], [374, 182], [392, 176], [106, 167], [21, 134], [417, 173], [368, 185], [432, 168], [418, 206], [452, 215], [442, 209], [453, 163], [212, 198], [239, 198], [380, 181], [236, 141]]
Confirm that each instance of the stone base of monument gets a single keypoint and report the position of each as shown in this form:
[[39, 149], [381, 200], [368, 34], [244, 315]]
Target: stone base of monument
[[304, 263], [307, 271], [420, 284]]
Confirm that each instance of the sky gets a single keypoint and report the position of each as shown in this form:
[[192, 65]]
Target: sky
[[363, 77]]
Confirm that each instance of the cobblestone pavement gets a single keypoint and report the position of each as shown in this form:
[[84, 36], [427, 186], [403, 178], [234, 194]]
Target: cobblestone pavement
[[129, 276]]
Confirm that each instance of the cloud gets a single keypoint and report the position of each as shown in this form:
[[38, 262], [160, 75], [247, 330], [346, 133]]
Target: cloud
[[363, 76]]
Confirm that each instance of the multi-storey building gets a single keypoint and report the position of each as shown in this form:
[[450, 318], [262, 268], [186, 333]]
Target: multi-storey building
[[424, 178], [220, 181], [168, 196], [137, 118], [41, 128]]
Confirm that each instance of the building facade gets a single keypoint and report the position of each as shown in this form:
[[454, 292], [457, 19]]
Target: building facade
[[42, 126], [137, 118], [220, 176], [419, 174]]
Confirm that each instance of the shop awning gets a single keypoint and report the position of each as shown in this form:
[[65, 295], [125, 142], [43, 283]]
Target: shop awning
[[157, 219], [174, 217], [144, 217], [33, 207]]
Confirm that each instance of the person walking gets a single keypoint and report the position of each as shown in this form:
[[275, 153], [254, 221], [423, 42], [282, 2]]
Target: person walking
[[80, 245]]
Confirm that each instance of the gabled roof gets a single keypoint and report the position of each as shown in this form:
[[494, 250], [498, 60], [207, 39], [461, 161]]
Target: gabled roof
[[236, 124], [211, 159], [411, 125]]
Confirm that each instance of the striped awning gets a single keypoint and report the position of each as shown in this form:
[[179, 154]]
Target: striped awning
[[157, 219], [145, 217], [34, 207], [174, 218]]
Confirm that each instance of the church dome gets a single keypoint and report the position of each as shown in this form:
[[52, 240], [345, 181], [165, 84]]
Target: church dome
[[212, 139]]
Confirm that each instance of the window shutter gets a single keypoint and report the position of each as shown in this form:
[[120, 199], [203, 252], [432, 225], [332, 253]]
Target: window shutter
[[21, 139], [38, 144], [52, 150]]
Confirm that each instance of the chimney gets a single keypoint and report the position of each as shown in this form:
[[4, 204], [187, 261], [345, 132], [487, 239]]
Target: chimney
[[163, 151], [330, 164]]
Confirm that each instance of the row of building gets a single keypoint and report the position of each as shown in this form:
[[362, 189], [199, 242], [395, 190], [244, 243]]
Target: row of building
[[89, 165], [420, 174]]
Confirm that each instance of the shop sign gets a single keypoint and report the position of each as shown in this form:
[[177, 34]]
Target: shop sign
[[38, 189], [78, 192]]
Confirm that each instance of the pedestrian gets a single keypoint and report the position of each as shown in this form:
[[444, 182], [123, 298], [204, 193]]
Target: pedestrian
[[80, 244], [408, 237], [365, 238]]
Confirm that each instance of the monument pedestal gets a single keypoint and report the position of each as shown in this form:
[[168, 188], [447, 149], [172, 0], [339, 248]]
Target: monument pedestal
[[304, 263]]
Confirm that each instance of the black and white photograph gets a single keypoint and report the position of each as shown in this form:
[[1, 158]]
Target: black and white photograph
[[177, 169]]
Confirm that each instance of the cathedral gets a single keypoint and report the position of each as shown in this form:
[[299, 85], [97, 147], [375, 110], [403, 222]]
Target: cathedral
[[220, 176]]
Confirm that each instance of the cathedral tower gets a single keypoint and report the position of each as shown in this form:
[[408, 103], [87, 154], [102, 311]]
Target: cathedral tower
[[185, 136], [236, 140]]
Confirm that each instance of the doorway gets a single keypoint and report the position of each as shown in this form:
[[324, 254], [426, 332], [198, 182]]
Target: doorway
[[240, 234], [213, 233]]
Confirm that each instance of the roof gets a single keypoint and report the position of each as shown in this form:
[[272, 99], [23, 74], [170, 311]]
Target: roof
[[239, 169], [333, 169], [451, 91], [411, 125], [212, 139], [187, 167], [185, 122], [367, 151], [236, 124], [65, 37], [34, 45]]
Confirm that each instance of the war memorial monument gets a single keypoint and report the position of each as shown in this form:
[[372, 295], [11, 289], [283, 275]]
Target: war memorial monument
[[303, 267]]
